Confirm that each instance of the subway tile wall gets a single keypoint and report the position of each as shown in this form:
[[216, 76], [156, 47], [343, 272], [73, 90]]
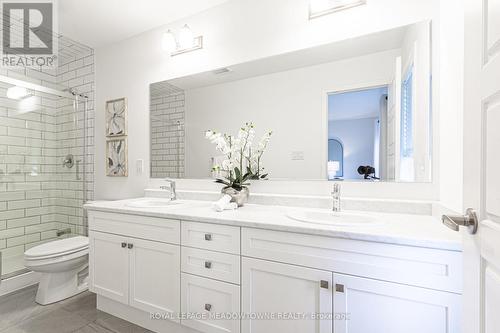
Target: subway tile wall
[[38, 196], [167, 114]]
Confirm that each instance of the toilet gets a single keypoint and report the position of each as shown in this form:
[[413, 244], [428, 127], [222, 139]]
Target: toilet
[[60, 263]]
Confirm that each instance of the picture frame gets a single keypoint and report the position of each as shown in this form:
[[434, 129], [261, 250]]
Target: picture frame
[[116, 117], [117, 157]]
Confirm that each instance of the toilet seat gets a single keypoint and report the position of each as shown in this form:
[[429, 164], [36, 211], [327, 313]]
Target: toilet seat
[[33, 263], [58, 248]]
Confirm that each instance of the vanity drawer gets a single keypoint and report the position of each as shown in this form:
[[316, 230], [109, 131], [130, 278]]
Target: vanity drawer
[[213, 237], [215, 265], [429, 268], [209, 298], [150, 228]]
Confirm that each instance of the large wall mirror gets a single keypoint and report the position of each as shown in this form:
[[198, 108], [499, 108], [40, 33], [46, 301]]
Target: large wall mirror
[[358, 109]]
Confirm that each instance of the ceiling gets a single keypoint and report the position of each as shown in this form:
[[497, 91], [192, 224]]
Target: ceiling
[[100, 22], [353, 105]]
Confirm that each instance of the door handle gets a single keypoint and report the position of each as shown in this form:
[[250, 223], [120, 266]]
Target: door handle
[[468, 220], [208, 264], [124, 244], [208, 237], [130, 246], [323, 284]]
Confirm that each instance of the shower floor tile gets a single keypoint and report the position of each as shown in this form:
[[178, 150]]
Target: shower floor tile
[[20, 314]]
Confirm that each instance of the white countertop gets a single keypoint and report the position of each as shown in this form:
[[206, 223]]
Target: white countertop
[[403, 229]]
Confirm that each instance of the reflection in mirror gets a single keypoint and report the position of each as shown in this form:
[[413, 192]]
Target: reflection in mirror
[[167, 130], [354, 119], [335, 159], [356, 109]]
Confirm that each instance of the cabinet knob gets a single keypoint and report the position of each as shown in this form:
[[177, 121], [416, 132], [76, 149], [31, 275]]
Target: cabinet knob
[[208, 237], [130, 246], [208, 307], [124, 244], [324, 284], [339, 288], [208, 264]]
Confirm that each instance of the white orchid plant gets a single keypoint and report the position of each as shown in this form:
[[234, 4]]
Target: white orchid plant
[[242, 162]]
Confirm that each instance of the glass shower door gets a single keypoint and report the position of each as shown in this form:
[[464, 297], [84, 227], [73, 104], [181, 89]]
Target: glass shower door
[[41, 177]]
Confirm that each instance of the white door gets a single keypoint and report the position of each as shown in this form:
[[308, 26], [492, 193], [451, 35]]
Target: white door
[[481, 161], [155, 276], [108, 266], [364, 305], [273, 289]]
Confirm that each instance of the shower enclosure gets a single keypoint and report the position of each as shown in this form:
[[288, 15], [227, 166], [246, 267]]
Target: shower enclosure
[[46, 154]]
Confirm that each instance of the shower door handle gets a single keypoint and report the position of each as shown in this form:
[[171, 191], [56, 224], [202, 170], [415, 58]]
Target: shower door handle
[[78, 170]]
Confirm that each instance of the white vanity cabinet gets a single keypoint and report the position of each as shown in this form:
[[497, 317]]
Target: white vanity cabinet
[[210, 287], [140, 273], [277, 281], [376, 288]]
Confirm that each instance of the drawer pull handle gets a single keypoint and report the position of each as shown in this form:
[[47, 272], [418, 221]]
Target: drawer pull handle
[[208, 307], [339, 288], [324, 284], [208, 264], [208, 237], [130, 246], [124, 245]]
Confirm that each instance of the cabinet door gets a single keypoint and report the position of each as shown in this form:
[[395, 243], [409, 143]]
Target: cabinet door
[[383, 307], [274, 289], [155, 276], [109, 266]]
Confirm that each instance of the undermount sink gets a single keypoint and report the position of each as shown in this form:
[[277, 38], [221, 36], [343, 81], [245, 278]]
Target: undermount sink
[[333, 218], [152, 203]]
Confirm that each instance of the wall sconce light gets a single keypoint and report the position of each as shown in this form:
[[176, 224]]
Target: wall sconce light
[[184, 42], [319, 8]]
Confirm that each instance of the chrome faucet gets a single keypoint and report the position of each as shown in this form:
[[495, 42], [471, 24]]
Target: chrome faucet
[[171, 187], [336, 197]]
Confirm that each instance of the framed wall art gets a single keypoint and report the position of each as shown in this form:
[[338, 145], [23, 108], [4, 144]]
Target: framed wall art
[[116, 117], [116, 158]]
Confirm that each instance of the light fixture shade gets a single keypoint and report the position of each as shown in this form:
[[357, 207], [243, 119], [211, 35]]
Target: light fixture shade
[[186, 39], [17, 92], [168, 42]]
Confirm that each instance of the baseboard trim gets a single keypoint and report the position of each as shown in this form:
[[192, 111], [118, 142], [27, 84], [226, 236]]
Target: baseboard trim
[[139, 317]]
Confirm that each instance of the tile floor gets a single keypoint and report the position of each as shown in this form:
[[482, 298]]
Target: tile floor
[[20, 314]]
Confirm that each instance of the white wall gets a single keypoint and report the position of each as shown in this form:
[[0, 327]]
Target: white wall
[[357, 136], [290, 103], [235, 32]]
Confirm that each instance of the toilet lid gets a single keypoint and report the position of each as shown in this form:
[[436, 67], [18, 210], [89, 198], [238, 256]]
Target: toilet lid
[[58, 247]]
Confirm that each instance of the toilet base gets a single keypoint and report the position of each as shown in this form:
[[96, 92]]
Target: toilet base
[[55, 287]]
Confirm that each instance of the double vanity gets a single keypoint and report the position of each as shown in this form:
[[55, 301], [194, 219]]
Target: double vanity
[[179, 266]]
